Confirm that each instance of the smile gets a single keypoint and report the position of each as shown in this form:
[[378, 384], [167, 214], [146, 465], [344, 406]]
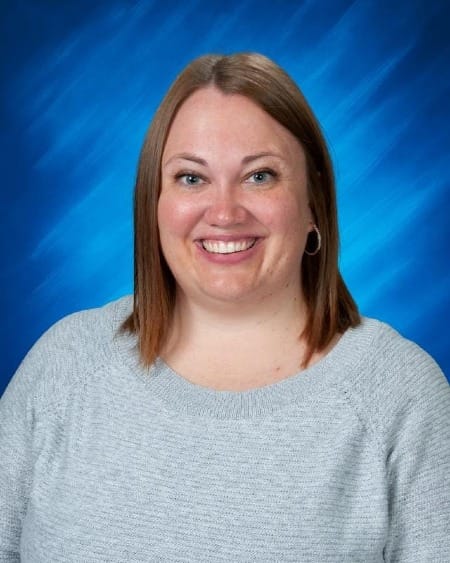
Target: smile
[[228, 247]]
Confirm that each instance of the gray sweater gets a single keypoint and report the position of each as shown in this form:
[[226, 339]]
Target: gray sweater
[[103, 460]]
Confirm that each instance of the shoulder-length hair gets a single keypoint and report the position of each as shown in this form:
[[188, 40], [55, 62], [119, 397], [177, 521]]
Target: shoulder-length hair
[[330, 307]]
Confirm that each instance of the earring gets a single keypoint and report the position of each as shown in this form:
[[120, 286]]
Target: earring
[[319, 242]]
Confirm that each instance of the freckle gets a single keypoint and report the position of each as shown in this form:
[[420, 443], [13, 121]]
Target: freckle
[[278, 368]]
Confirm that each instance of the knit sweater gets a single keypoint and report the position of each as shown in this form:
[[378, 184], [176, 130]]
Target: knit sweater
[[104, 460]]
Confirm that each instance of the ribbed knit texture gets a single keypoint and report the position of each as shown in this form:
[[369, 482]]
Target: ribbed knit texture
[[102, 460]]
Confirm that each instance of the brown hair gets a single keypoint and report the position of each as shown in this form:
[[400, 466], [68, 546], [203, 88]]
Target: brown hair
[[331, 309]]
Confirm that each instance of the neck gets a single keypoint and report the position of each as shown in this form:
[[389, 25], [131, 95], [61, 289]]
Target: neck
[[236, 347]]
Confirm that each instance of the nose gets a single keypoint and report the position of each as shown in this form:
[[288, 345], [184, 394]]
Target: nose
[[225, 208]]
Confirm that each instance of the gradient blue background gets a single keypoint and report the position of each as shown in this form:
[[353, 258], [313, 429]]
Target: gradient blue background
[[81, 80]]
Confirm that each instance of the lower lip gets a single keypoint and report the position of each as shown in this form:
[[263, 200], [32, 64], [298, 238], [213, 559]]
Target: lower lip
[[231, 258]]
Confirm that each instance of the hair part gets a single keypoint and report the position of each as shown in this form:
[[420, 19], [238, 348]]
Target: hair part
[[330, 307]]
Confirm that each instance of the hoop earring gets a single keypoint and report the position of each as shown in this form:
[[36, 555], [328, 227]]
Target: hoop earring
[[319, 242]]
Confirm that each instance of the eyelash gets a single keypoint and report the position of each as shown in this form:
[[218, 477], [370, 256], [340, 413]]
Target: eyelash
[[268, 171], [182, 175]]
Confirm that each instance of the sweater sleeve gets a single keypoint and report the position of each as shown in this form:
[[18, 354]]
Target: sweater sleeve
[[418, 466], [42, 385], [16, 428]]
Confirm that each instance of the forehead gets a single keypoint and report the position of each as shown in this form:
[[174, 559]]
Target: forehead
[[212, 121]]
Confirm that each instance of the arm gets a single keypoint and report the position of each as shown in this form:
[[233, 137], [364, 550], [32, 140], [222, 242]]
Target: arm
[[419, 472], [66, 352], [16, 426]]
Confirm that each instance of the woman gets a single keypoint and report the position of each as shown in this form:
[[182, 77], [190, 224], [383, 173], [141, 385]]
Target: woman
[[240, 409]]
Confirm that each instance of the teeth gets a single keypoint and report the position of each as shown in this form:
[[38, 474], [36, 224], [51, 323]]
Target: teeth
[[222, 247]]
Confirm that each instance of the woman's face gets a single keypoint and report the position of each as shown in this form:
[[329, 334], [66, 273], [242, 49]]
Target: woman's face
[[233, 212]]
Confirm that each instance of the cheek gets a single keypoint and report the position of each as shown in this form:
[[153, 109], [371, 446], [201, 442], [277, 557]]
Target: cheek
[[286, 215], [175, 216]]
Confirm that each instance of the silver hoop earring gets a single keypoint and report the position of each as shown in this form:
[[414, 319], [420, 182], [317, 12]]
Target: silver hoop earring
[[319, 242]]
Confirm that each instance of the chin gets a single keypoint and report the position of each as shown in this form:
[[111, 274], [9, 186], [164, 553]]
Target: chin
[[228, 292], [228, 295]]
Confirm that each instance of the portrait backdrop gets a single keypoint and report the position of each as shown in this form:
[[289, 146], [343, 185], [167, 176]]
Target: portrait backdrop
[[80, 82]]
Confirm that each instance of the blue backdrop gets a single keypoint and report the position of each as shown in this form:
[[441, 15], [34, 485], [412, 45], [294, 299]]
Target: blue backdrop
[[81, 81]]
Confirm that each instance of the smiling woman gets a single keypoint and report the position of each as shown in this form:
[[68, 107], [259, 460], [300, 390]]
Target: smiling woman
[[238, 408], [235, 234], [224, 120]]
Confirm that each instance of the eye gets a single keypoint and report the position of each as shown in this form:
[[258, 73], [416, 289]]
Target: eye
[[262, 176], [188, 179]]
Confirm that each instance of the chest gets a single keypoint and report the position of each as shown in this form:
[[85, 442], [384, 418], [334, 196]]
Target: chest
[[293, 487]]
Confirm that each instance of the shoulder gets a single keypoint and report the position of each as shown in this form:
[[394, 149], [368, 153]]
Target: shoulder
[[384, 357], [397, 361], [391, 379], [68, 351], [84, 333], [92, 327]]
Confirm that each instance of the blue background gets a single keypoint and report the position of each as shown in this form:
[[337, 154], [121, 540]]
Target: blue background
[[81, 80]]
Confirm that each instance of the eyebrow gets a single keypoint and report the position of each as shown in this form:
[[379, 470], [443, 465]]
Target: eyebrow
[[187, 156], [203, 162], [252, 157]]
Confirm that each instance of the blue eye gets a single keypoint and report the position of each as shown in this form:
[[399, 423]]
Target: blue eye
[[189, 179], [262, 176]]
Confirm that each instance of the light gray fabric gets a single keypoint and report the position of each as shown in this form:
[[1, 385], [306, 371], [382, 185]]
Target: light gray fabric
[[103, 460]]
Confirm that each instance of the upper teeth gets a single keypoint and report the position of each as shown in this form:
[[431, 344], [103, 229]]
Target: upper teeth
[[222, 247]]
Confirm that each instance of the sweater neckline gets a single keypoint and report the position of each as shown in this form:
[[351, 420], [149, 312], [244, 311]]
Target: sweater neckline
[[181, 395]]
